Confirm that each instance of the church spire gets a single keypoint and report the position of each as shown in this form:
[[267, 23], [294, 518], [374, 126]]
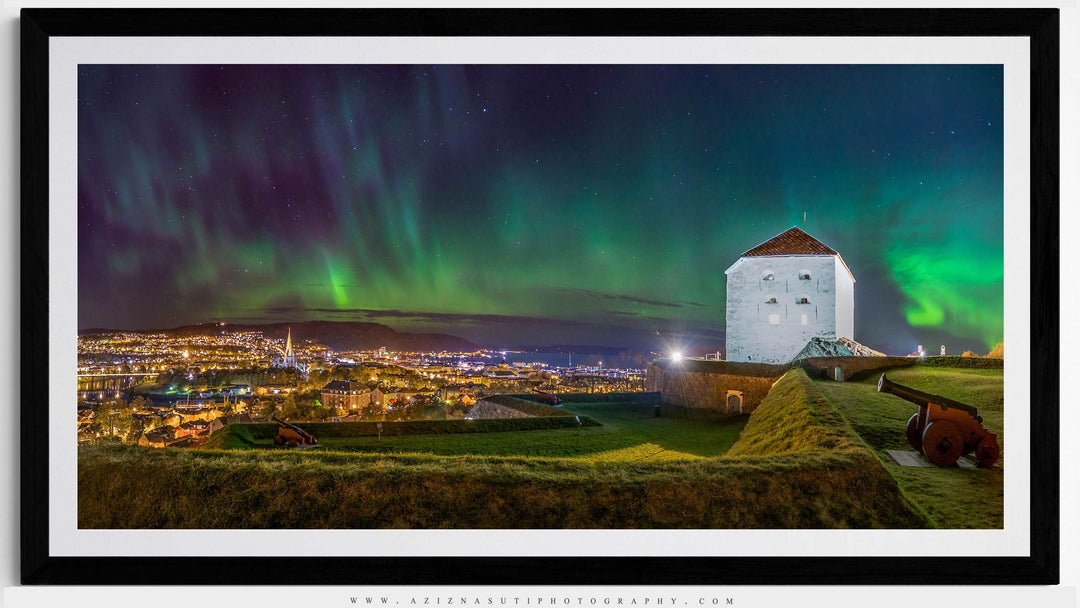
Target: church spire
[[288, 345]]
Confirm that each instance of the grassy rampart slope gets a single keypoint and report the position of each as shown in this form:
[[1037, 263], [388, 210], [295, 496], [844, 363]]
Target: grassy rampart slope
[[796, 418], [797, 421], [246, 436], [780, 477], [131, 487]]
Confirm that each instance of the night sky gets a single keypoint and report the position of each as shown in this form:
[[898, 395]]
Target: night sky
[[536, 204]]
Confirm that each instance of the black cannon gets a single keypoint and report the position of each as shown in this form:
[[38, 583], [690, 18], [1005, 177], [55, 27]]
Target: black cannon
[[943, 429], [547, 398]]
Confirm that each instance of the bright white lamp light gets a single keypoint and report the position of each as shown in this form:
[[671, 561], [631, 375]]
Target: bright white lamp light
[[676, 357]]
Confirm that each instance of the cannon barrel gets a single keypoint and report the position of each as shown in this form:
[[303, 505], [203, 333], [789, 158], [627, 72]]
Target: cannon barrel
[[920, 398]]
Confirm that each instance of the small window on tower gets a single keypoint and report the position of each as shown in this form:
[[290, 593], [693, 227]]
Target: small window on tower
[[774, 319], [771, 300], [802, 301], [767, 276], [804, 275], [805, 320]]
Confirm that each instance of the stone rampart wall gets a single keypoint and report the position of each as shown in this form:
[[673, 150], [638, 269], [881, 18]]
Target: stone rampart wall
[[705, 384], [693, 389], [825, 367]]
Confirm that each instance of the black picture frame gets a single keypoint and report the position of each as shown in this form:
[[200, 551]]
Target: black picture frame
[[1041, 26]]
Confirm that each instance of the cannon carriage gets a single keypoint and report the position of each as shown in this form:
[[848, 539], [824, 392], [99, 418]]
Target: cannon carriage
[[291, 435], [548, 398], [944, 429]]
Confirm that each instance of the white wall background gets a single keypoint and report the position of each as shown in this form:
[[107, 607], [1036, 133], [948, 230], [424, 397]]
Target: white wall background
[[987, 597]]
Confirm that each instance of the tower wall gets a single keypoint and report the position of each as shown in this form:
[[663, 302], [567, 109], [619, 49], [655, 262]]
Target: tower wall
[[845, 302], [762, 331]]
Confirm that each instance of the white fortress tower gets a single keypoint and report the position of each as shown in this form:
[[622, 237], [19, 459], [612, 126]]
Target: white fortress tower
[[782, 293]]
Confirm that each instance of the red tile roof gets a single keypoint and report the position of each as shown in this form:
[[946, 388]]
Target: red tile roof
[[792, 241]]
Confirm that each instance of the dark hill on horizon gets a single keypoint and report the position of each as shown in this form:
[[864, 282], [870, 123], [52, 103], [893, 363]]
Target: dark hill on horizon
[[338, 335], [575, 348]]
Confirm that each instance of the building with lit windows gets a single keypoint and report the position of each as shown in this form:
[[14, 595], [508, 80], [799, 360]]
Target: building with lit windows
[[347, 395]]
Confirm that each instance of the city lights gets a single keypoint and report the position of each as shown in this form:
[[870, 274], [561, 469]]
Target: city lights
[[182, 376]]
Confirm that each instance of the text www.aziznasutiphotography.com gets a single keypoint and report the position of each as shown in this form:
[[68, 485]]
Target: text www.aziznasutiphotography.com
[[545, 601]]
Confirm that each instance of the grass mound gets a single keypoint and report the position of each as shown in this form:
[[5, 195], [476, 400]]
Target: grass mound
[[231, 437], [795, 417], [532, 408]]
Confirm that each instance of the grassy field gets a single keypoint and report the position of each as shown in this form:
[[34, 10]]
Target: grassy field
[[629, 433], [953, 497]]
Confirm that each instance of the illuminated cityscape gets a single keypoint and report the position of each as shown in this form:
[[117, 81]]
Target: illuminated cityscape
[[168, 381]]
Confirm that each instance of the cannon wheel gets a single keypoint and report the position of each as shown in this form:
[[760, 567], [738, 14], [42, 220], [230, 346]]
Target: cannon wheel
[[914, 437], [987, 451], [942, 443]]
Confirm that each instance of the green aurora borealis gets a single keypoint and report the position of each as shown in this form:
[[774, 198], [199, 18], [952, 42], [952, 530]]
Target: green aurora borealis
[[536, 204]]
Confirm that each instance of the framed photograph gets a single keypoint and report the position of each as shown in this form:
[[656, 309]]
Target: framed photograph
[[523, 296]]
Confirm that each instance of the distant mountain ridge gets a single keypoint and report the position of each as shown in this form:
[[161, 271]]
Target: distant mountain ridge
[[567, 349], [338, 335]]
